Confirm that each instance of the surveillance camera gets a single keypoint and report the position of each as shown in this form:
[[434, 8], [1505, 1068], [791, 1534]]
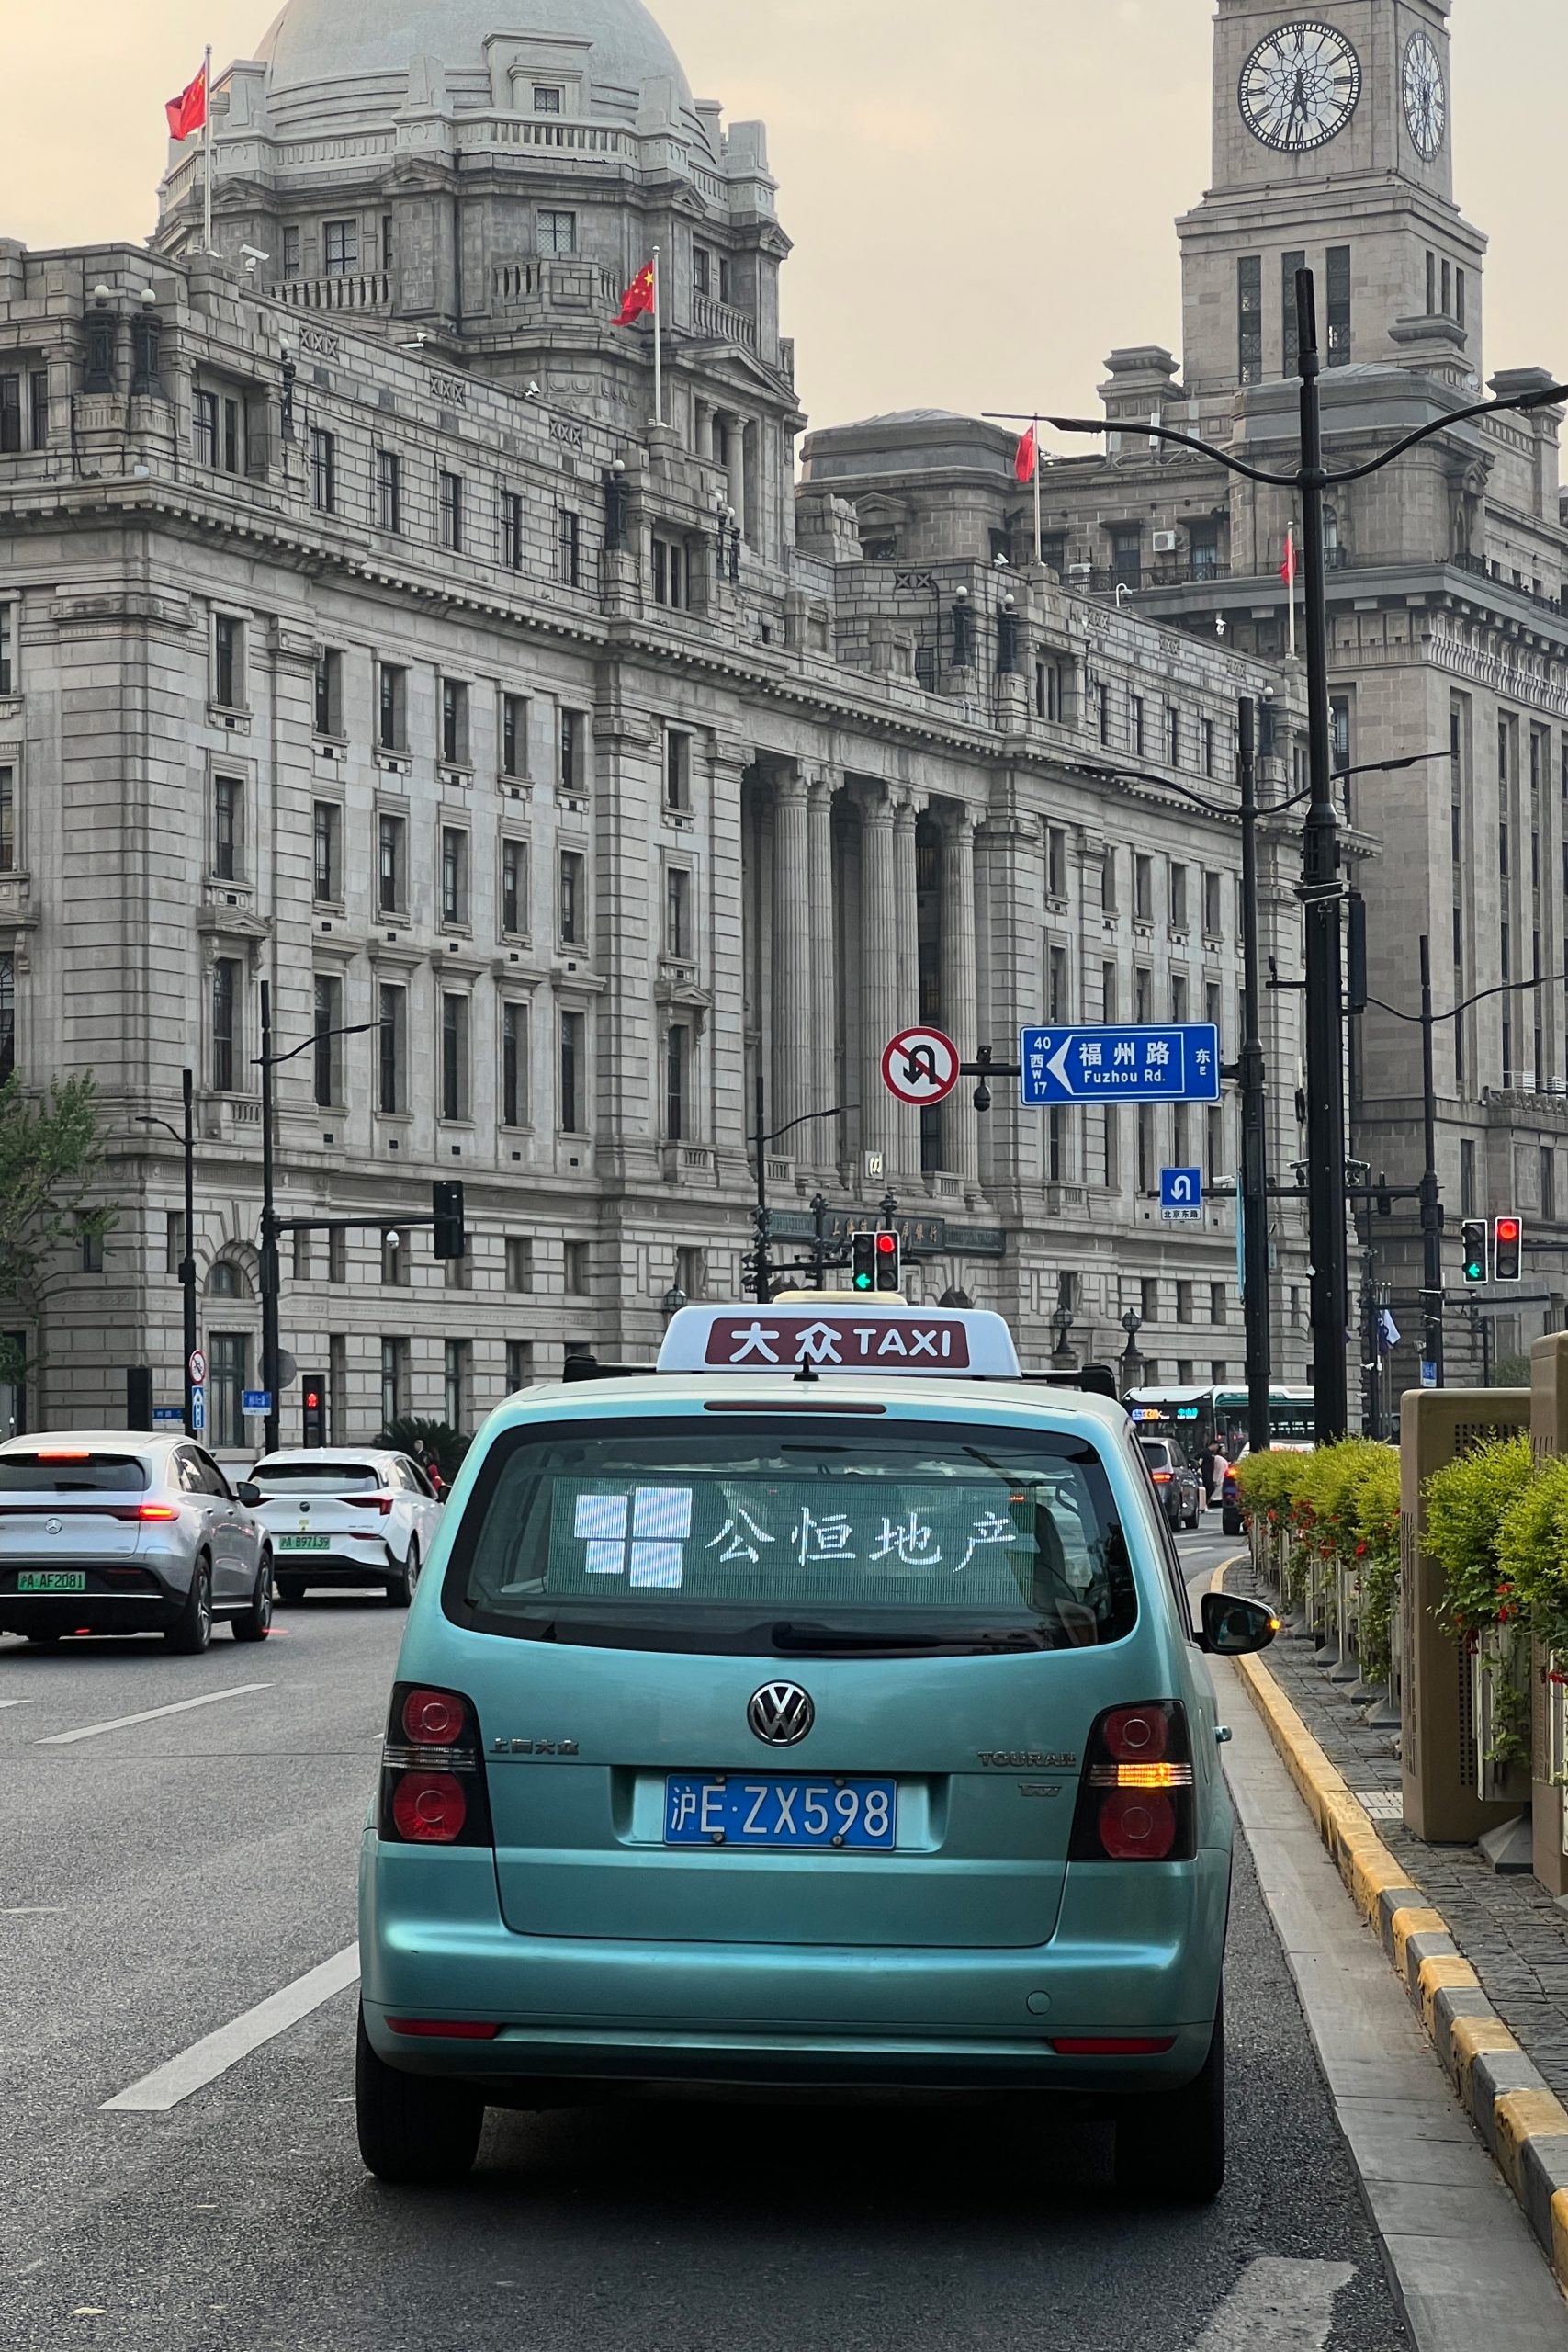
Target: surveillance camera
[[253, 254], [533, 392], [393, 1240]]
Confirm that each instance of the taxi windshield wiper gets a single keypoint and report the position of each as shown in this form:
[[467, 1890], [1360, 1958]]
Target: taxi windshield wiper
[[790, 1637]]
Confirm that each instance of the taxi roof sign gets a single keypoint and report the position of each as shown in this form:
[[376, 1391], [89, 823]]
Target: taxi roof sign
[[884, 1337]]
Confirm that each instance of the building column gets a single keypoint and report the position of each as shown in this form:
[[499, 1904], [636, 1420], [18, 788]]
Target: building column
[[879, 966], [906, 1120], [734, 427], [794, 1090], [960, 992], [824, 967]]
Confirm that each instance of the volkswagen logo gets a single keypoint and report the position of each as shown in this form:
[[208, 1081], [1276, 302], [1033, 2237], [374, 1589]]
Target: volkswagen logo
[[54, 1527], [781, 1713]]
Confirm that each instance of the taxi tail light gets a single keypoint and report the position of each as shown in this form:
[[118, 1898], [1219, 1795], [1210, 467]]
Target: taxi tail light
[[1135, 1800], [1160, 1477], [432, 1775]]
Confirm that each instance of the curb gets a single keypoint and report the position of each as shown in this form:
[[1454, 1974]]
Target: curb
[[1520, 2118]]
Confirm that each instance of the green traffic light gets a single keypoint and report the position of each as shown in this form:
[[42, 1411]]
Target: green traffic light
[[862, 1281]]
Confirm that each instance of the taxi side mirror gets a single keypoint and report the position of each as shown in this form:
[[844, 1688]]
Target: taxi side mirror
[[1235, 1628], [249, 1492]]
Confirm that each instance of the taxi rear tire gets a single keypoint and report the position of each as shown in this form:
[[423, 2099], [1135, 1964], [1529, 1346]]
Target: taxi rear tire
[[1171, 2145], [414, 2129]]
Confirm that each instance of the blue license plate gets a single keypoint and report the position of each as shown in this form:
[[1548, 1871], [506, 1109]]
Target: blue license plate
[[760, 1809]]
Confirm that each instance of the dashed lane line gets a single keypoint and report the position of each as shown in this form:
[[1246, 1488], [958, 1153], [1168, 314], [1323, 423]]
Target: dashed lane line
[[213, 2056], [149, 1715], [1277, 2306]]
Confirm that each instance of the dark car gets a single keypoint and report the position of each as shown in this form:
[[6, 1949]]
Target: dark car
[[1177, 1483]]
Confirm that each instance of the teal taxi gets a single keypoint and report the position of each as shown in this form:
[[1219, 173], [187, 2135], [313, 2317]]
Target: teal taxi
[[820, 1711]]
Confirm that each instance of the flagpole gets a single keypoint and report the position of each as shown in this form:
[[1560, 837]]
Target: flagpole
[[207, 152], [1039, 530], [658, 344]]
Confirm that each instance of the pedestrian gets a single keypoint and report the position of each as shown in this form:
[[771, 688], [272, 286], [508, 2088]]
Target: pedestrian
[[1218, 1474], [1206, 1470]]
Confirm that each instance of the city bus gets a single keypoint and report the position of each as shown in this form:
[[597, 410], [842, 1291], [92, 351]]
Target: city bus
[[1200, 1417]]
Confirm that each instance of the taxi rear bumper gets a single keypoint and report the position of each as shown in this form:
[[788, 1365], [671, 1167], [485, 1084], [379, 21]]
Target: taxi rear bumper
[[1137, 1954]]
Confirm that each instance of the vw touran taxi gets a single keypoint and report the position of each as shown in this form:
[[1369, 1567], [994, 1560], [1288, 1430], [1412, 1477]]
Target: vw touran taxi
[[821, 1710]]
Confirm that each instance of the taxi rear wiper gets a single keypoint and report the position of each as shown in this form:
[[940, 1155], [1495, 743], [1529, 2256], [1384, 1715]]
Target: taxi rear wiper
[[791, 1637]]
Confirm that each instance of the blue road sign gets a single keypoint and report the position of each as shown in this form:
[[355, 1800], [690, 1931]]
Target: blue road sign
[[162, 1413], [254, 1400], [198, 1408], [1177, 1064], [1182, 1195]]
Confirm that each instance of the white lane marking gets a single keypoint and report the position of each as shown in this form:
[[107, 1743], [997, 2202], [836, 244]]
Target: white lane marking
[[1277, 2306], [213, 2056], [18, 1703], [149, 1715]]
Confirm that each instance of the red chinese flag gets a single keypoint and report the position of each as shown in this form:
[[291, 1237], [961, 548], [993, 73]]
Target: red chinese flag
[[1288, 569], [638, 299], [1028, 456], [188, 111]]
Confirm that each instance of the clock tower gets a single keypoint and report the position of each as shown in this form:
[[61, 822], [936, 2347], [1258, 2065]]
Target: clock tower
[[1332, 146]]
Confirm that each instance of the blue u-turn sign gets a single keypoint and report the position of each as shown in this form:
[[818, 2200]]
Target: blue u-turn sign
[[1181, 1194], [1177, 1064]]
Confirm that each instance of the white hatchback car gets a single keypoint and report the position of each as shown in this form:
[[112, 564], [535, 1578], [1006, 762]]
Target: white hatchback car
[[347, 1515]]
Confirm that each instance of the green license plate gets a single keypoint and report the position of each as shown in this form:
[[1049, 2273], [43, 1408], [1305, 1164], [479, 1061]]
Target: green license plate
[[52, 1580], [303, 1543]]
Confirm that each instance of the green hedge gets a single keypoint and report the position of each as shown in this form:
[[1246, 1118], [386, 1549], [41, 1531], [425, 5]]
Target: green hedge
[[1340, 1503]]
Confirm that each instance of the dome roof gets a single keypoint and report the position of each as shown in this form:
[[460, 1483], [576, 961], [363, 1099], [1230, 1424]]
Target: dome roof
[[351, 58]]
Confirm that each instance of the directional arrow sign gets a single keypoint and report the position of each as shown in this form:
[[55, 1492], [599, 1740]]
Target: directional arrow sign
[[922, 1067], [1182, 1195], [1177, 1064]]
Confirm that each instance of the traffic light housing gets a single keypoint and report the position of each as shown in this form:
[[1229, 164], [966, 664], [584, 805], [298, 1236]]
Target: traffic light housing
[[313, 1405], [1476, 1253], [446, 1201], [876, 1262], [1508, 1249]]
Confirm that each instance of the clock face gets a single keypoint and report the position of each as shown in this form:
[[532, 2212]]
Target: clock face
[[1426, 97], [1300, 88]]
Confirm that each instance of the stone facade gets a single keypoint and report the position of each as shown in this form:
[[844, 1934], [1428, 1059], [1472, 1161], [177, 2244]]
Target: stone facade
[[1448, 633], [360, 634]]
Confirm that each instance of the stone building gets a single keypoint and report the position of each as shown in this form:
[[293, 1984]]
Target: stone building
[[1333, 148], [360, 633]]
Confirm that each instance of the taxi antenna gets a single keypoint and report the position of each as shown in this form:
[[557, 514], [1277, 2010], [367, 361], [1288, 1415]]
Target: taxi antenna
[[808, 1370]]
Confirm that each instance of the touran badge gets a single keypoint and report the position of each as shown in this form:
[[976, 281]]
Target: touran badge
[[781, 1713]]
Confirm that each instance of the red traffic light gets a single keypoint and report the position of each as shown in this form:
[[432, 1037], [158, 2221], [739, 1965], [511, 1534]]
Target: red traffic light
[[1508, 1228], [312, 1399], [885, 1244]]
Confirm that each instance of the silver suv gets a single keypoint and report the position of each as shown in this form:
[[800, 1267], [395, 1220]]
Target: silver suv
[[112, 1531]]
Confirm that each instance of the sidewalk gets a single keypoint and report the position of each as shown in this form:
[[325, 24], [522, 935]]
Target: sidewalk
[[1509, 1929]]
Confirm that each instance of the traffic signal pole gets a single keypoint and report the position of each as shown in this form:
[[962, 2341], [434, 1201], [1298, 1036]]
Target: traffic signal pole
[[1431, 1204], [1252, 1204], [270, 1269]]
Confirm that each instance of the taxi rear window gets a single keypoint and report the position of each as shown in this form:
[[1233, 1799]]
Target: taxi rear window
[[795, 1535]]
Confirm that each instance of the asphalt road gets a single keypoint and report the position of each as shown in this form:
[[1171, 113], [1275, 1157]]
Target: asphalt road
[[159, 1879]]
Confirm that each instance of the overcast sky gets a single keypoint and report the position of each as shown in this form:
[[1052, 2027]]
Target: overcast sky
[[981, 195]]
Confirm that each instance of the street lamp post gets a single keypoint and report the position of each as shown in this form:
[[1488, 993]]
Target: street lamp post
[[1132, 1323], [187, 1262], [1432, 1206], [763, 1277], [1252, 1206], [1321, 888]]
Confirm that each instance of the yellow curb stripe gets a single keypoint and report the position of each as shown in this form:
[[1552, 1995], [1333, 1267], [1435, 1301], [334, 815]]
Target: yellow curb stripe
[[1369, 1870]]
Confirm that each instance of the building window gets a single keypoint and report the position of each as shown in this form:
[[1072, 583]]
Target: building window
[[389, 489], [225, 1024], [579, 1272], [204, 422], [392, 720], [324, 471], [677, 1082], [1340, 306], [394, 1380], [519, 1365], [227, 823], [546, 98], [454, 722], [91, 1242], [1249, 319], [1459, 304], [228, 661], [558, 233], [1146, 1156], [511, 530], [1547, 1179], [1143, 888], [571, 751], [1056, 862], [1172, 736], [1149, 1299], [514, 888], [454, 876], [573, 1071], [671, 582], [514, 1065], [327, 1061], [1467, 1191], [1213, 905], [391, 1050], [329, 693], [228, 1375], [1289, 265], [1339, 730], [1213, 1147], [454, 1055], [455, 1383], [8, 820], [513, 736], [1127, 556], [326, 853], [1108, 882], [1143, 996], [677, 769], [570, 547], [574, 898], [291, 253], [1108, 991], [451, 503], [7, 648], [1136, 726], [1178, 897], [519, 1264], [340, 245], [390, 864], [7, 1014], [1204, 550], [1057, 985], [678, 914]]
